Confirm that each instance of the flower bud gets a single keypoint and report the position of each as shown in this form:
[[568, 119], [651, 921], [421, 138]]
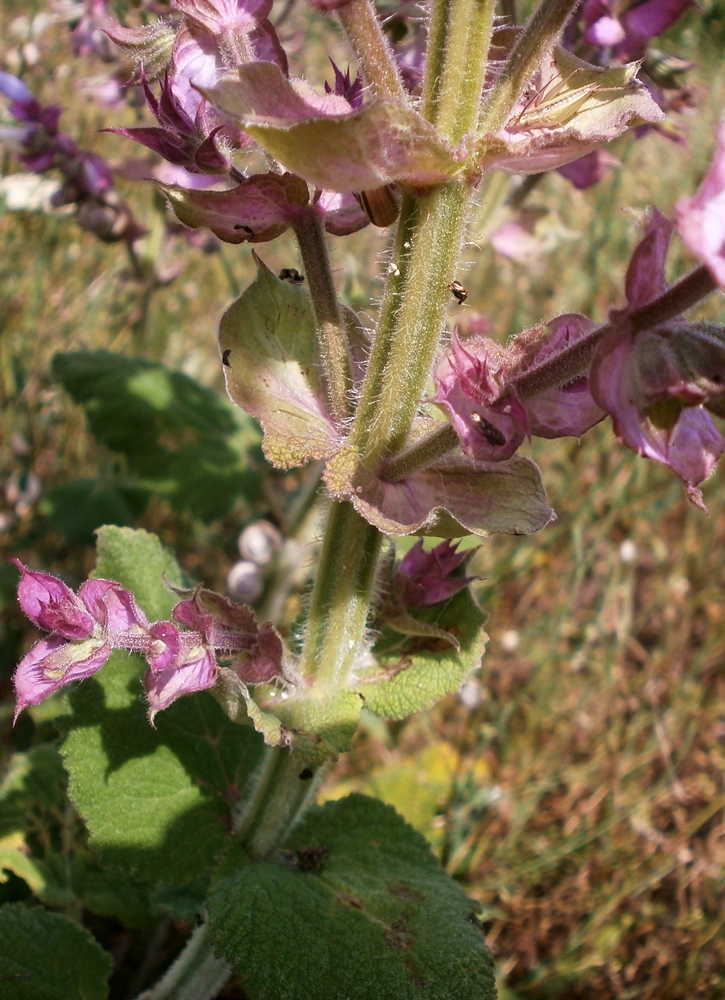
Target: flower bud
[[259, 543], [244, 582]]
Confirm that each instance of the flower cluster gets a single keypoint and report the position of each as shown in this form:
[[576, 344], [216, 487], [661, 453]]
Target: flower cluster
[[86, 627], [87, 179], [659, 379]]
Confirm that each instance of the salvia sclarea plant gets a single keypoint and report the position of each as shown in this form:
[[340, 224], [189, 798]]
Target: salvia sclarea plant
[[207, 810]]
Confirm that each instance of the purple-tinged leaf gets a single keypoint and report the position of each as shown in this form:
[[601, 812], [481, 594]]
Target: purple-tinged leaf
[[569, 109], [330, 144], [273, 371], [257, 210], [457, 496]]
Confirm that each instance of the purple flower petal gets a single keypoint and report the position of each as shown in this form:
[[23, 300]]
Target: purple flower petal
[[53, 663], [423, 578], [166, 646], [51, 605], [701, 218], [194, 670], [113, 607]]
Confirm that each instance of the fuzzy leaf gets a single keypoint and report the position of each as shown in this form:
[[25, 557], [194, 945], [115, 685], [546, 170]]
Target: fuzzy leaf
[[180, 439], [410, 677], [259, 209], [455, 497], [273, 369], [354, 907], [47, 955], [157, 802], [324, 140], [137, 560]]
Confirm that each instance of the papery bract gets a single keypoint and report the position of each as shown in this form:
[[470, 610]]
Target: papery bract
[[454, 496], [273, 369], [259, 209], [329, 143], [570, 108]]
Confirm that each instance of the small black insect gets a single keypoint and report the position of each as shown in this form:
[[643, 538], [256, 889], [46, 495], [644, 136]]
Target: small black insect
[[238, 226], [292, 275], [492, 434], [225, 357], [459, 292], [306, 773]]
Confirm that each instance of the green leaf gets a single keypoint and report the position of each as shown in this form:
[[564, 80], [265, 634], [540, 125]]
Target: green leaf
[[180, 439], [137, 560], [77, 508], [157, 802], [410, 677], [46, 955], [273, 369], [355, 907]]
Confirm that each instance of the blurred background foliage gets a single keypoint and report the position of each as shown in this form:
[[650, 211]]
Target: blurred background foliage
[[576, 786]]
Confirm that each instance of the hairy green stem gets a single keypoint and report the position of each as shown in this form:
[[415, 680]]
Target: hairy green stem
[[328, 316], [197, 974], [411, 320], [283, 792], [378, 65], [459, 42], [341, 597], [423, 453], [540, 34]]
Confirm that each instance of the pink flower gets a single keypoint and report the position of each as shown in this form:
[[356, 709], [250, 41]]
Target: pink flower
[[424, 578], [627, 27], [181, 663], [85, 629], [476, 386], [701, 218], [656, 383]]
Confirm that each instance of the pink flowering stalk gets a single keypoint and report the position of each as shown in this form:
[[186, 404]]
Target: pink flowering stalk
[[86, 627]]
